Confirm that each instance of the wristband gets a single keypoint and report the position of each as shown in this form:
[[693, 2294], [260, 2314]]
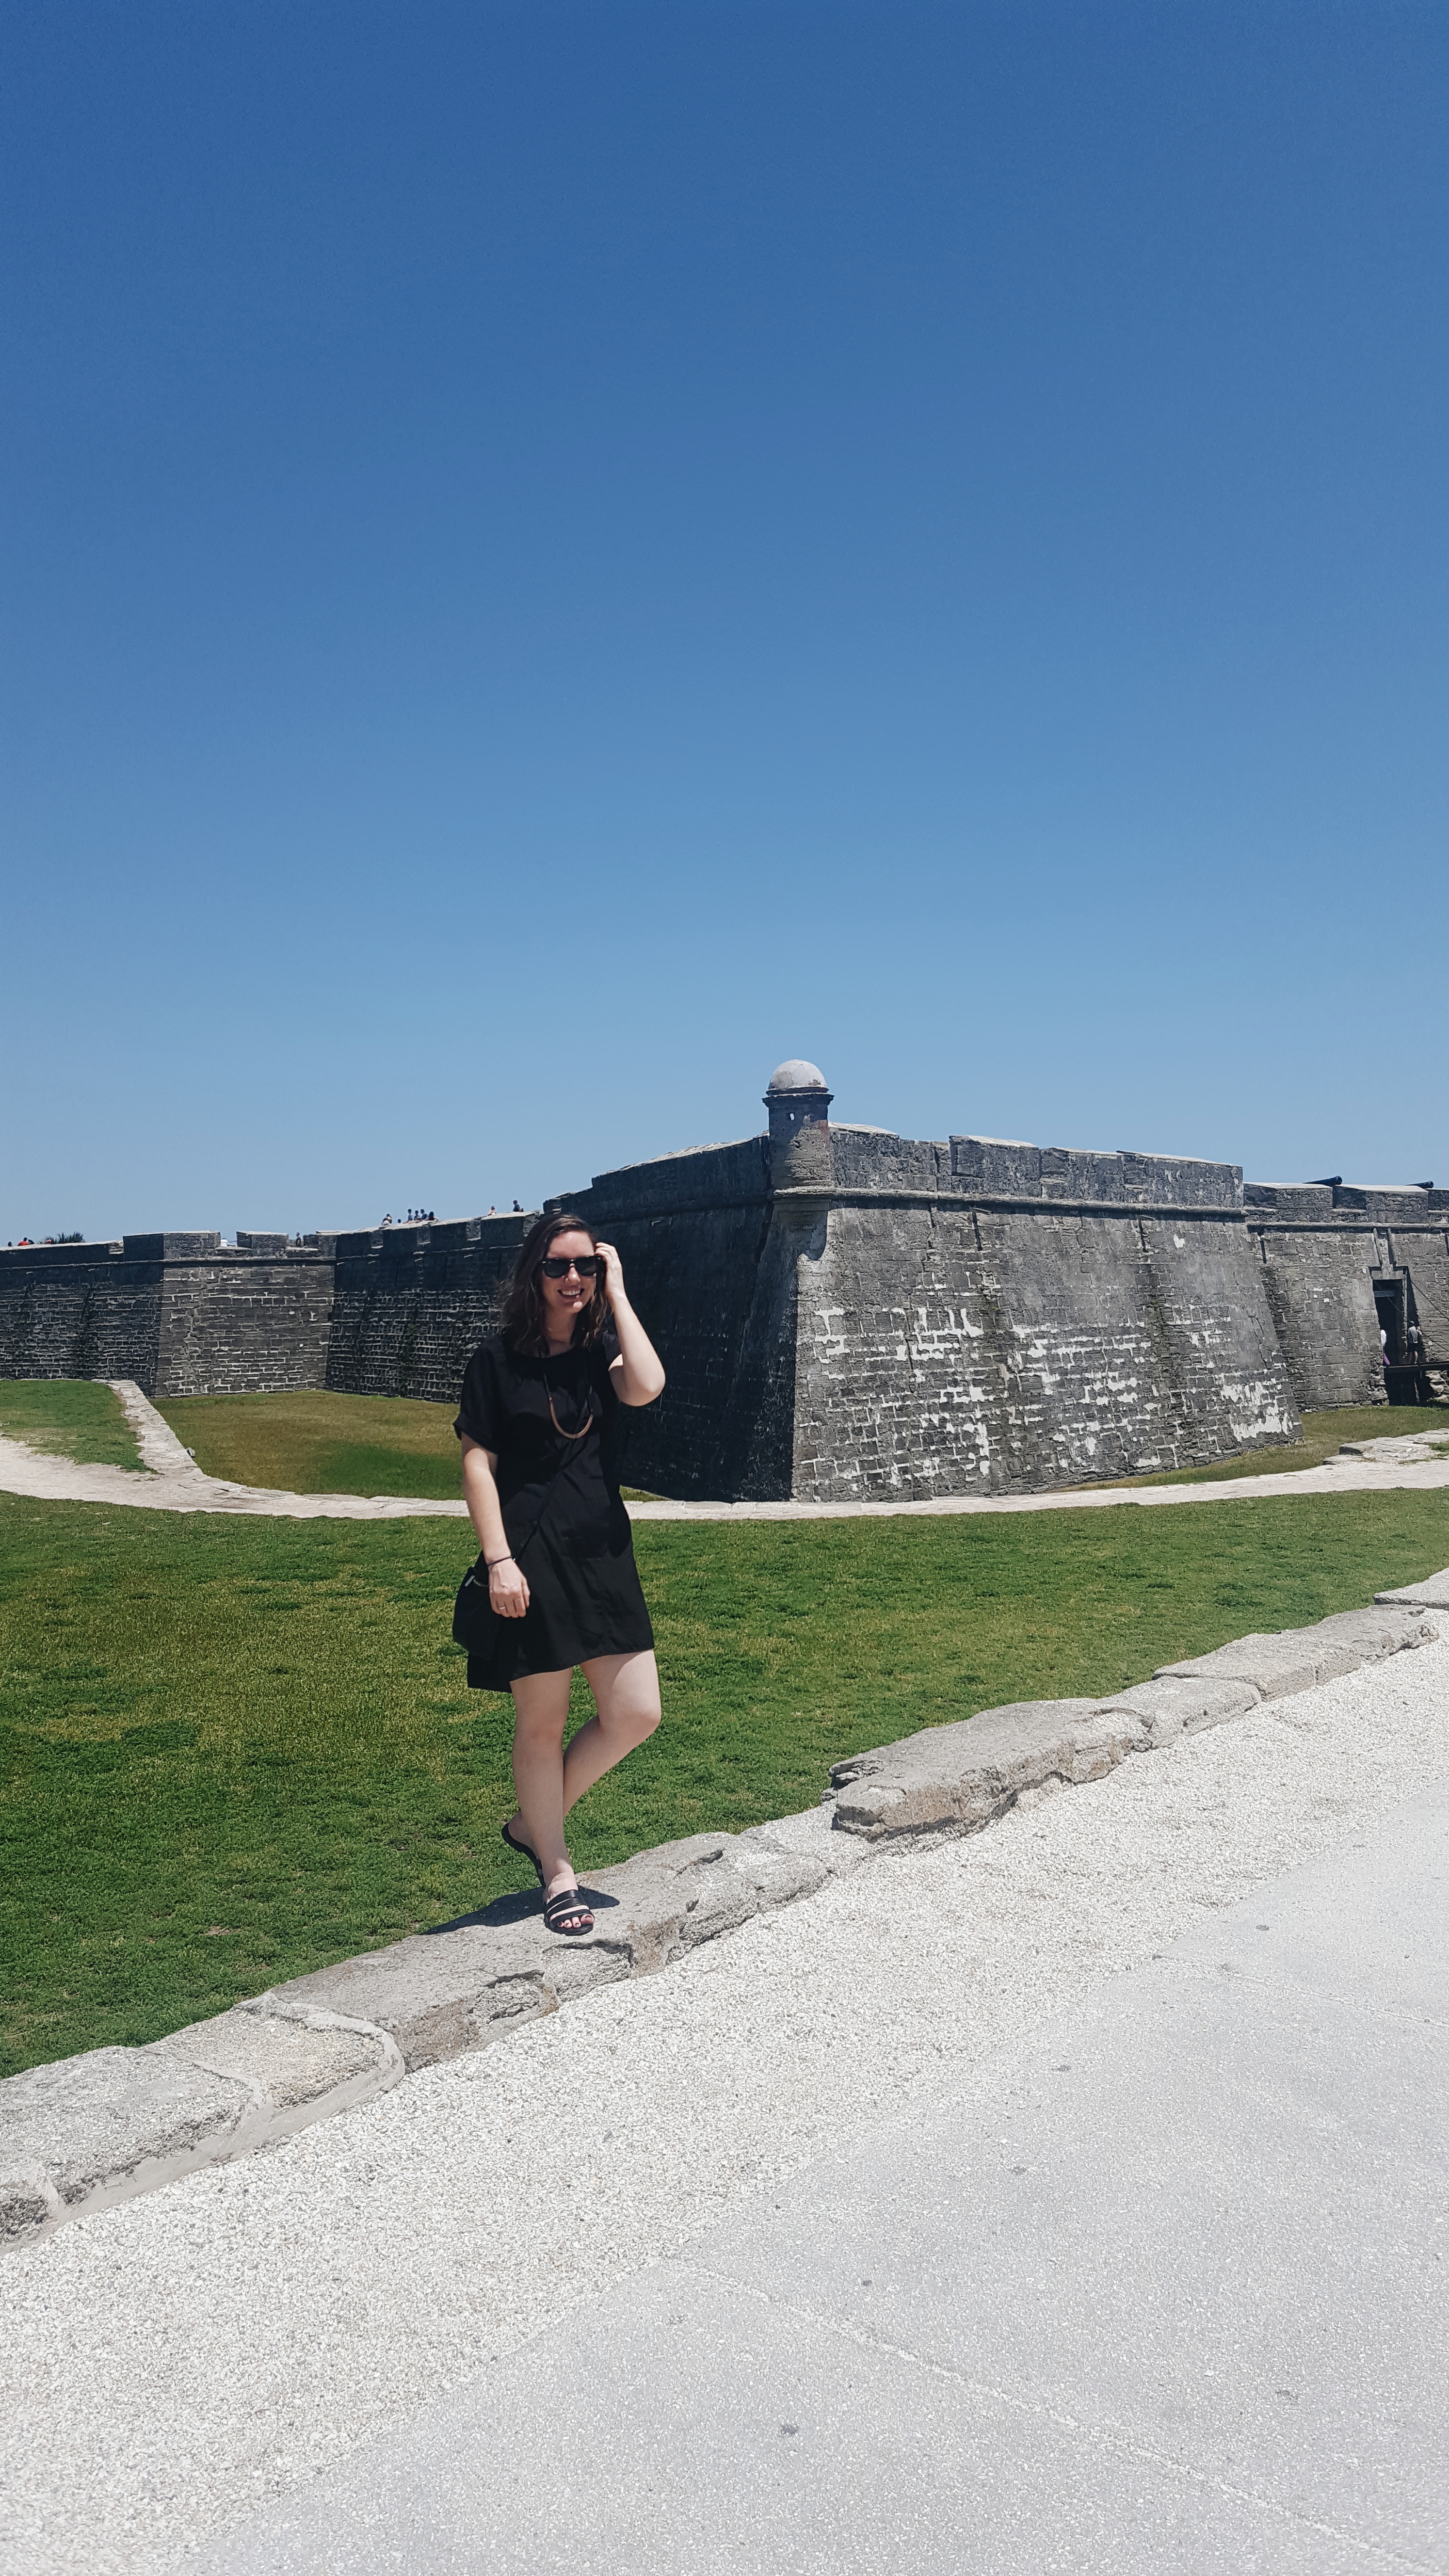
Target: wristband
[[491, 1561]]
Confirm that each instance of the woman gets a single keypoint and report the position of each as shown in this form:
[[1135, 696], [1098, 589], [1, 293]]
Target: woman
[[538, 1421]]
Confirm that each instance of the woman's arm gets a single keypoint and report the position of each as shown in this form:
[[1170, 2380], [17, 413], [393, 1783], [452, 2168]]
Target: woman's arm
[[637, 1374], [507, 1582]]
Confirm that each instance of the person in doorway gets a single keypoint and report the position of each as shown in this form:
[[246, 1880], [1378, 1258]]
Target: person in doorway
[[538, 1421]]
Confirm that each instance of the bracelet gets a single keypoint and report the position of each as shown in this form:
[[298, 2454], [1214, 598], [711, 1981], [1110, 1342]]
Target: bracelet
[[498, 1560]]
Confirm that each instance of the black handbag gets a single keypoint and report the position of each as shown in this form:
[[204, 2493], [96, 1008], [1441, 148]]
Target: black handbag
[[475, 1621]]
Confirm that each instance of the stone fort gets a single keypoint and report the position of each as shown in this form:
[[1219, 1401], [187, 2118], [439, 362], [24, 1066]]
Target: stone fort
[[843, 1313]]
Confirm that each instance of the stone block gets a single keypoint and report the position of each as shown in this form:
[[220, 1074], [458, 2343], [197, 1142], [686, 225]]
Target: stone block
[[95, 2130], [1431, 1594], [1167, 1708], [685, 1893], [952, 1779], [439, 1994], [104, 2126], [1297, 1659], [996, 1166], [302, 2063], [1275, 1666], [809, 1836], [1374, 1633]]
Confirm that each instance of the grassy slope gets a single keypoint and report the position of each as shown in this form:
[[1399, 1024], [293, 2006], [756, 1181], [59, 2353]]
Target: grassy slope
[[233, 1750], [315, 1443], [68, 1418]]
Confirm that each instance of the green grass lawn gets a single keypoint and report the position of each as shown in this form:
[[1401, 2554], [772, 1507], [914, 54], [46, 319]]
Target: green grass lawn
[[237, 1749], [315, 1443], [68, 1418], [1323, 1434]]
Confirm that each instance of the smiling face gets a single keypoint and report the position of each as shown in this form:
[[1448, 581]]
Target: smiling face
[[564, 1299]]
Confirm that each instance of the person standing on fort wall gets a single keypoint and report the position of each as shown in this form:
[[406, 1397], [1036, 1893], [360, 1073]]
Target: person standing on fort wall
[[538, 1422]]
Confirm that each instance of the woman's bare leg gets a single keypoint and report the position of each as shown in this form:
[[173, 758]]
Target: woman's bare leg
[[626, 1696], [540, 1709]]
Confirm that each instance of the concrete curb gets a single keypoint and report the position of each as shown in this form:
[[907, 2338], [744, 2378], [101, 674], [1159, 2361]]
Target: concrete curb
[[951, 1780], [94, 2130], [104, 2127]]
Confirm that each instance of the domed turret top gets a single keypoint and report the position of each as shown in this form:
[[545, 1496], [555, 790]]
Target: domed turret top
[[798, 1101], [796, 1075]]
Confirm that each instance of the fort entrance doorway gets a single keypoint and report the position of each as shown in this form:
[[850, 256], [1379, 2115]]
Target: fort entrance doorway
[[1405, 1378], [1391, 1305]]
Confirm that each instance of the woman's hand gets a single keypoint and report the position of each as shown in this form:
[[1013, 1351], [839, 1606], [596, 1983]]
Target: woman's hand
[[613, 1273], [508, 1588], [636, 1372]]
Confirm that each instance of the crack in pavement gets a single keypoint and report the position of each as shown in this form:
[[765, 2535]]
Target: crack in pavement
[[1104, 2436]]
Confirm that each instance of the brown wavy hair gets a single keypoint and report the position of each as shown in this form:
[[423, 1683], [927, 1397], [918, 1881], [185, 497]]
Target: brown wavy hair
[[523, 1325]]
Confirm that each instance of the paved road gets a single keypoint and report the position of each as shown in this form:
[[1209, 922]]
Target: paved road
[[1169, 2295], [1070, 2220]]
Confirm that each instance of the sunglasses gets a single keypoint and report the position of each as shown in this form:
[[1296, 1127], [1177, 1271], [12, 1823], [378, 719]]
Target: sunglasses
[[588, 1268]]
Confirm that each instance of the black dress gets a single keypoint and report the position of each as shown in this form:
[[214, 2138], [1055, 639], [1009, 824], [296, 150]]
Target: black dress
[[561, 1509]]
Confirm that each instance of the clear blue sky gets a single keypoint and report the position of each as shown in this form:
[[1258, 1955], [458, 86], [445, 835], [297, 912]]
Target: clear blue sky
[[556, 555]]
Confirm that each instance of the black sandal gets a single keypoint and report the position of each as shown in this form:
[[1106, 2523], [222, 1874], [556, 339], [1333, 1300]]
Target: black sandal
[[525, 1851], [559, 1913]]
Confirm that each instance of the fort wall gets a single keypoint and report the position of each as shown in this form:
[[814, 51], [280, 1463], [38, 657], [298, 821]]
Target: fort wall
[[920, 1317], [79, 1310], [841, 1312], [254, 1319], [710, 1264], [1324, 1248], [411, 1304], [948, 1348], [180, 1313]]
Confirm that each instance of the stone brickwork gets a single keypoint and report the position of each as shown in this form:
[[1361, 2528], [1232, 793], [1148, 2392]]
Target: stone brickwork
[[988, 1348], [412, 1303], [843, 1313], [254, 1320], [79, 1310], [1424, 1253], [709, 1259], [178, 1313], [1322, 1247]]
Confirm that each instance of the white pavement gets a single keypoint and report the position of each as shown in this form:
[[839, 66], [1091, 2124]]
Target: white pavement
[[1020, 2205], [174, 1483]]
